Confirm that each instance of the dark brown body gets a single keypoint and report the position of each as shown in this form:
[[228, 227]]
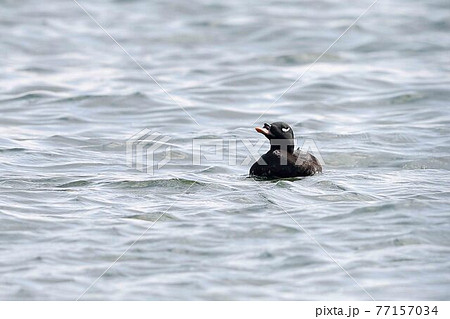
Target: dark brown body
[[282, 164]]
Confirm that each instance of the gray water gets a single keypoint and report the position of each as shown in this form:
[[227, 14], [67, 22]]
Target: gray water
[[376, 106]]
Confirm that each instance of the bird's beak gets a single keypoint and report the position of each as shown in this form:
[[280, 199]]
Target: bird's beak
[[264, 130]]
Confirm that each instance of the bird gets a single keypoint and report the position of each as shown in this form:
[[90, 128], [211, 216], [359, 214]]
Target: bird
[[282, 161]]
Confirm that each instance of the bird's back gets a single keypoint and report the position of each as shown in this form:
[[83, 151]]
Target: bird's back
[[283, 164]]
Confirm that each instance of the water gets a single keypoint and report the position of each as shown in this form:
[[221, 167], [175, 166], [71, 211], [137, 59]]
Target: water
[[376, 105]]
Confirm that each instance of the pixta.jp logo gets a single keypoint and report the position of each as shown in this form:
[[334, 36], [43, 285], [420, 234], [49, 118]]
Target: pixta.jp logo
[[141, 150], [148, 151]]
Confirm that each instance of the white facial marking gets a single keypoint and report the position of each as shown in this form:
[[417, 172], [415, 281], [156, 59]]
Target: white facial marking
[[285, 129]]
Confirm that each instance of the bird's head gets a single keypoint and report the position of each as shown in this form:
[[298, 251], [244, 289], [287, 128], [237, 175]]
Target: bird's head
[[279, 134]]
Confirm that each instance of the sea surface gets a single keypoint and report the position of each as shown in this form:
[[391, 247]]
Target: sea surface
[[80, 220]]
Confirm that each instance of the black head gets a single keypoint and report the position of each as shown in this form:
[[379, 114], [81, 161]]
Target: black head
[[279, 133]]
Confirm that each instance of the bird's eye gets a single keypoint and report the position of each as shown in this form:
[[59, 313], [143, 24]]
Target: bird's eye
[[285, 129]]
